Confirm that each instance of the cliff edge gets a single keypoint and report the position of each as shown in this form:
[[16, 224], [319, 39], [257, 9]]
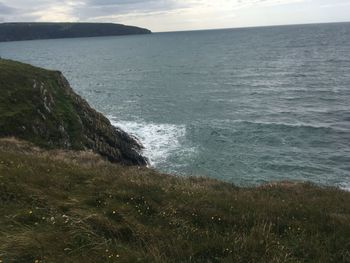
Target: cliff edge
[[39, 106], [58, 205]]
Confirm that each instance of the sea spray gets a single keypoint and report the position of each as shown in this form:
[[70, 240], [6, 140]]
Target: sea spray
[[161, 141]]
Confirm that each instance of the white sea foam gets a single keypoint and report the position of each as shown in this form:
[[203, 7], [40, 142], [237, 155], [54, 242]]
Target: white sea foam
[[160, 141], [345, 186]]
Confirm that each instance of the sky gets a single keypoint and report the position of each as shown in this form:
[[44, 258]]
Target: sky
[[178, 15]]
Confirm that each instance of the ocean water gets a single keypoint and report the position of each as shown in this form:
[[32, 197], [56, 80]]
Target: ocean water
[[246, 106]]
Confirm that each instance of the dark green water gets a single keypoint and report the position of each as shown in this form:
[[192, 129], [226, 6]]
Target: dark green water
[[246, 105]]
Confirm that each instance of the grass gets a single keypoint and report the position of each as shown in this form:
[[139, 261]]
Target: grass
[[34, 104], [39, 106], [64, 206]]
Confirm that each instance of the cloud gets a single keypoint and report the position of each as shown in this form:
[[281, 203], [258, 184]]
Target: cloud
[[39, 10], [168, 14], [119, 2], [104, 10], [332, 5], [70, 10], [93, 9], [5, 9]]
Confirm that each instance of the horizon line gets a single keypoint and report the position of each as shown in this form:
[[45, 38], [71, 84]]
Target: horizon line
[[185, 30], [250, 27]]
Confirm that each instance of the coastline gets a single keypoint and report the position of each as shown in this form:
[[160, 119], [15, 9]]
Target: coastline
[[61, 205], [160, 141], [244, 121], [66, 201]]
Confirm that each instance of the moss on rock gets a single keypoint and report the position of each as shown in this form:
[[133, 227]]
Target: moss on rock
[[39, 106]]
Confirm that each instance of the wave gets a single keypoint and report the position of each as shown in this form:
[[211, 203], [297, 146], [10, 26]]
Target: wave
[[338, 60], [285, 125], [344, 186], [160, 141]]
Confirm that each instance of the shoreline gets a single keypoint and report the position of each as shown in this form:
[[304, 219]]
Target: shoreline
[[86, 196], [109, 212]]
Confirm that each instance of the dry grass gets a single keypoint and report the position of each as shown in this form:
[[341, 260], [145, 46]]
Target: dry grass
[[58, 206], [82, 158]]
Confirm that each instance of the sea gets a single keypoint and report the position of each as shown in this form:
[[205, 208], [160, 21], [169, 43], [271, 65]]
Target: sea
[[247, 106]]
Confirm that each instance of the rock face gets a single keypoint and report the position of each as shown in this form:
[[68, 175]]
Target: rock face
[[30, 31], [39, 106]]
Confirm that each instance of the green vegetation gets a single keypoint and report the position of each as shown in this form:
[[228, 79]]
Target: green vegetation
[[61, 203], [31, 31], [39, 106], [63, 206]]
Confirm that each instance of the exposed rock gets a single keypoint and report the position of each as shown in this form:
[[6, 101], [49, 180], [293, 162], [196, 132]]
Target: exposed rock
[[56, 117]]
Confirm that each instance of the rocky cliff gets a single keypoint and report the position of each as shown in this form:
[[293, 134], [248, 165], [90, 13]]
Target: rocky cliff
[[39, 106], [75, 207]]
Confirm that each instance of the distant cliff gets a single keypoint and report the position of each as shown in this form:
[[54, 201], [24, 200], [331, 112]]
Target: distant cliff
[[31, 31], [39, 106]]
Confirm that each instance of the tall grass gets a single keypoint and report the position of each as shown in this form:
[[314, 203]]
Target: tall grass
[[60, 206]]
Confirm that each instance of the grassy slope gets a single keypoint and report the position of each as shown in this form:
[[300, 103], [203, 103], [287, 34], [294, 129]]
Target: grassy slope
[[39, 106], [20, 103], [74, 207]]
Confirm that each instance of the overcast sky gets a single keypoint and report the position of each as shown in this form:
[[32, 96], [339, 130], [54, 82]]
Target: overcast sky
[[173, 15]]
